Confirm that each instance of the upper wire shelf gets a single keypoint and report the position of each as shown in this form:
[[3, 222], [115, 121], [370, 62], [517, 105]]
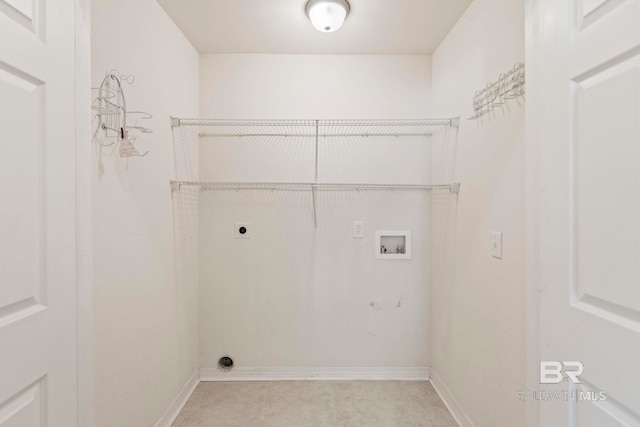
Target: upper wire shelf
[[315, 128]]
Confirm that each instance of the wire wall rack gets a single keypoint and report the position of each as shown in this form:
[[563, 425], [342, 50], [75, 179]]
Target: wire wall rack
[[510, 85], [210, 130], [115, 123]]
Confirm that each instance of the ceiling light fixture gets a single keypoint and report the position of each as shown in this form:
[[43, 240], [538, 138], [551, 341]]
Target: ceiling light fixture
[[327, 15]]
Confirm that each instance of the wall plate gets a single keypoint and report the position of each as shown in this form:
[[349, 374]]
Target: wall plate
[[496, 244], [358, 230], [242, 230]]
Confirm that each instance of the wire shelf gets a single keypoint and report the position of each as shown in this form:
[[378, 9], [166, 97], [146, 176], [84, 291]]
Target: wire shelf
[[308, 186], [315, 128], [188, 133]]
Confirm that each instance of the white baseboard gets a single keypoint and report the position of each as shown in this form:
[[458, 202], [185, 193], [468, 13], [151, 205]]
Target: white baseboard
[[450, 402], [178, 403], [310, 374]]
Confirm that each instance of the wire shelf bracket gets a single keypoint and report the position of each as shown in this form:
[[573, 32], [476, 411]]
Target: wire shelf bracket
[[175, 122]]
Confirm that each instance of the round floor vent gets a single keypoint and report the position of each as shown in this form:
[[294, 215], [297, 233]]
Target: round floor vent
[[225, 363]]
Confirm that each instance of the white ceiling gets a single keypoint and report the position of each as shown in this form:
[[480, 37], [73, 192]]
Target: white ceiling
[[281, 26]]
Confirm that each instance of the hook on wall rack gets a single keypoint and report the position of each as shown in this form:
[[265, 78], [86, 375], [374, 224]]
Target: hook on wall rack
[[510, 85], [113, 118]]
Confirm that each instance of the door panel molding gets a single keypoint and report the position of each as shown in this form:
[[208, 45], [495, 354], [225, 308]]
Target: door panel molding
[[590, 11], [29, 14], [27, 408], [609, 412]]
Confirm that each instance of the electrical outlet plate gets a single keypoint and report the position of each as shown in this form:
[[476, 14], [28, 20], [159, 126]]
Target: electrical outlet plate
[[358, 230], [496, 244], [242, 230]]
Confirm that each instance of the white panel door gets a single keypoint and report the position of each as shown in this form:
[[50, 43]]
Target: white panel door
[[586, 103], [38, 368]]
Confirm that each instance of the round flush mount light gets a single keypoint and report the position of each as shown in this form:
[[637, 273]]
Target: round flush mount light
[[327, 15]]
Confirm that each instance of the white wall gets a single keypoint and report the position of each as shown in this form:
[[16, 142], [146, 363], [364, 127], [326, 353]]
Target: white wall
[[146, 342], [315, 86], [477, 302], [294, 296]]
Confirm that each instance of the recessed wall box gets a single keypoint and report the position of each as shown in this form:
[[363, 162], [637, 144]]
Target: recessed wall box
[[393, 244]]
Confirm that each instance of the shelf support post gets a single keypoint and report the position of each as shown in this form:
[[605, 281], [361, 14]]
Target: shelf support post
[[314, 187], [315, 213], [317, 136]]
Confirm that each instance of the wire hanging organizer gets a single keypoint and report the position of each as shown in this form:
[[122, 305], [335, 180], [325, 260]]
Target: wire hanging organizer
[[509, 86], [263, 131], [114, 126]]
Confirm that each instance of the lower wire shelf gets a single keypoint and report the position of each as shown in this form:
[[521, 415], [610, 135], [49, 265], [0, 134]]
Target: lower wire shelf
[[308, 186], [312, 187]]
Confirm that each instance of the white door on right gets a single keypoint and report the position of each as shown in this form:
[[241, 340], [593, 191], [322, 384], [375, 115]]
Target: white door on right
[[585, 94]]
